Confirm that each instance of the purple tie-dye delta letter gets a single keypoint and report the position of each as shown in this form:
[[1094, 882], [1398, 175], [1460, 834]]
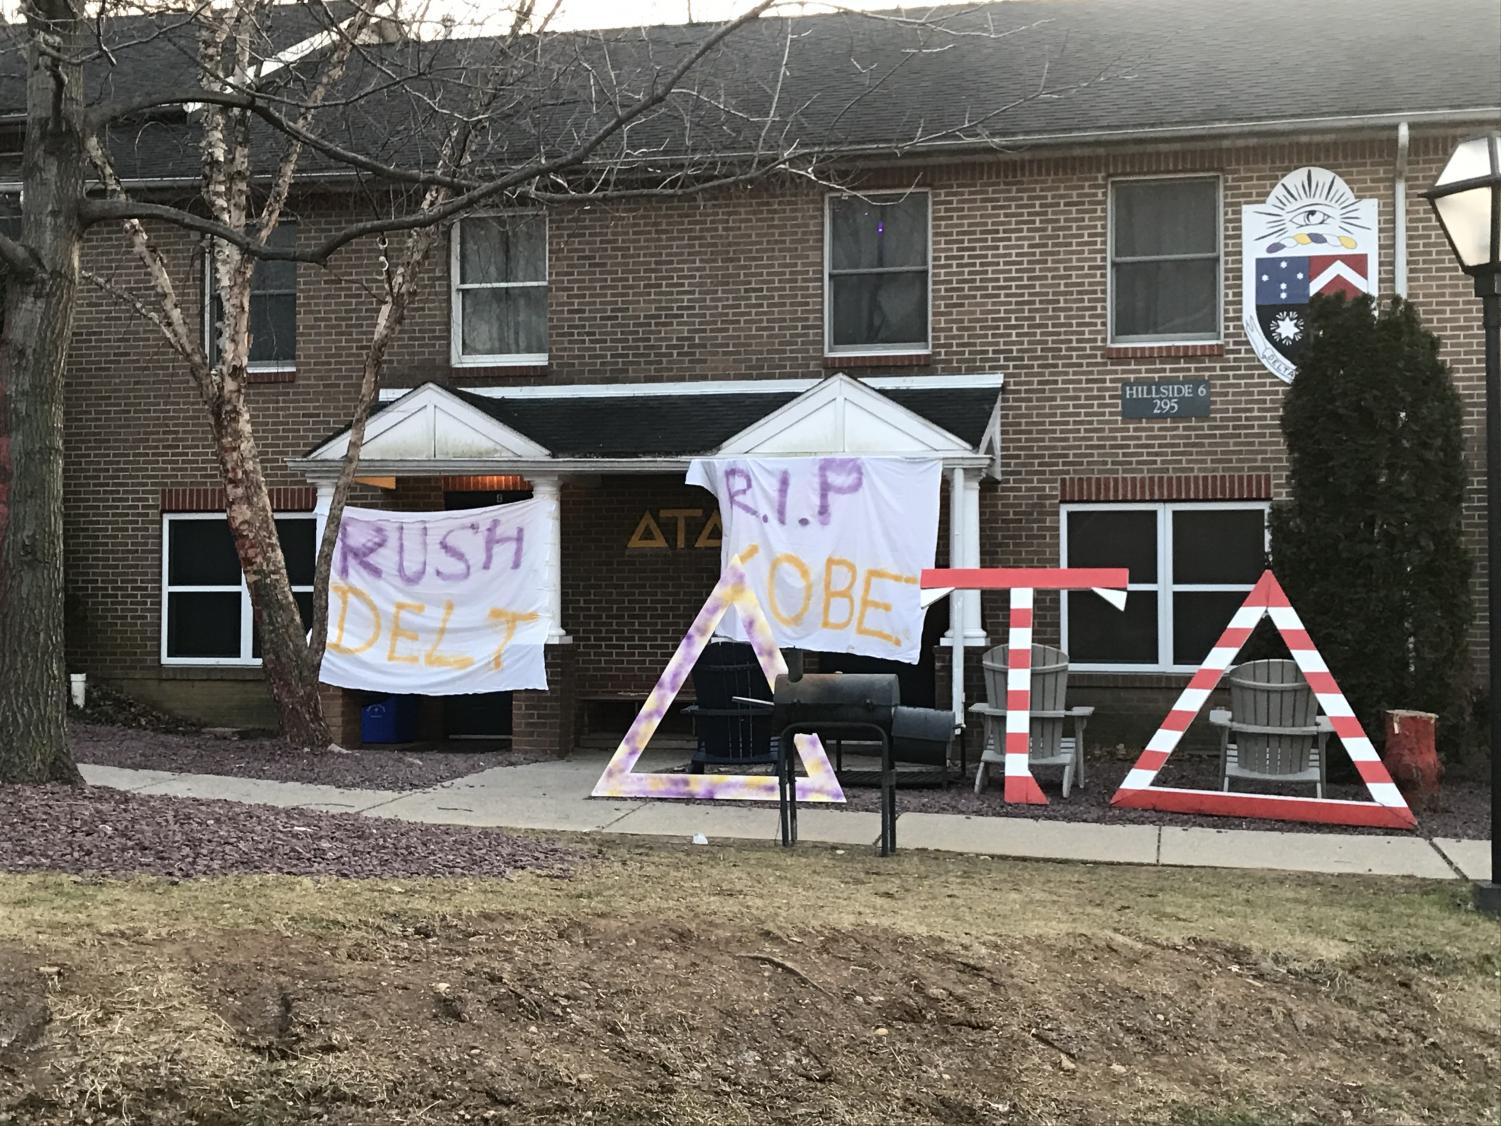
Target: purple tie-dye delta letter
[[618, 781]]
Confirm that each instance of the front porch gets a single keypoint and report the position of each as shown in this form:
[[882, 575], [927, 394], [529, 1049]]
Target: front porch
[[635, 550]]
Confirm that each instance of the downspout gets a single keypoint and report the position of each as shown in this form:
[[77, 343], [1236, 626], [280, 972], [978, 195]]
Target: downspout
[[1399, 220]]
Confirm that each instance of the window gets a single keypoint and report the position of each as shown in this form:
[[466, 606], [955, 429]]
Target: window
[[876, 252], [1191, 566], [273, 307], [498, 269], [206, 615], [1165, 260]]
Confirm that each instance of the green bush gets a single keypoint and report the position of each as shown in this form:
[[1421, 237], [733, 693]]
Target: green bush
[[1369, 543]]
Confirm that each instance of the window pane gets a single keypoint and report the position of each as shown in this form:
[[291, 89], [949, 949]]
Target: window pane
[[273, 328], [297, 545], [1218, 545], [1199, 617], [1165, 217], [503, 248], [1111, 538], [277, 275], [201, 553], [505, 322], [1099, 633], [304, 600], [865, 235], [871, 309], [203, 624], [1177, 299]]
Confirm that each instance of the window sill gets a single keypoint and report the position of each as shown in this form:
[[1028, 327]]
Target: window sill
[[843, 360], [496, 371], [212, 672], [271, 375], [1163, 351]]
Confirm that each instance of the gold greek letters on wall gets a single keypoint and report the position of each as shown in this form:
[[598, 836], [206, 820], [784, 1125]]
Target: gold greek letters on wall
[[680, 522]]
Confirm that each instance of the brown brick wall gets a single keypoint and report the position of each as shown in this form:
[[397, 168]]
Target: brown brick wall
[[730, 287]]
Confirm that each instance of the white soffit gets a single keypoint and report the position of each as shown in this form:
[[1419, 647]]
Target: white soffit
[[430, 424], [842, 415]]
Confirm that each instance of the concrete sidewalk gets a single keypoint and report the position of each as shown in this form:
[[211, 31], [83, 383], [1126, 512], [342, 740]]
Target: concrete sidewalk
[[555, 795]]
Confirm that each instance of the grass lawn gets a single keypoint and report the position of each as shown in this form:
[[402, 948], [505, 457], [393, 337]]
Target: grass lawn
[[749, 985]]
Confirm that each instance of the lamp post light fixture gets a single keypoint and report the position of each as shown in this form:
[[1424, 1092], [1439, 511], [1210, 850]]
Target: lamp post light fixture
[[1467, 200]]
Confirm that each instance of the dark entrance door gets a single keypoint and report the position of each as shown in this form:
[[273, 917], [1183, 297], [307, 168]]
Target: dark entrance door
[[483, 715]]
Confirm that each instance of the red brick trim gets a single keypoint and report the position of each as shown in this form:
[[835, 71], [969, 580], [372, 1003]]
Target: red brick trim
[[489, 375], [211, 498], [906, 360], [1207, 486], [253, 376], [1161, 351]]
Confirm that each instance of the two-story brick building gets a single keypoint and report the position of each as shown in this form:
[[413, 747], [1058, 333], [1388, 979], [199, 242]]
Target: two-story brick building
[[983, 299]]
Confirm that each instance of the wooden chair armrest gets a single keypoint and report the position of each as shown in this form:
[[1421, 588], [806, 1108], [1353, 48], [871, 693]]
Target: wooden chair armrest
[[1255, 729], [1082, 711], [1324, 724], [1219, 717], [986, 709]]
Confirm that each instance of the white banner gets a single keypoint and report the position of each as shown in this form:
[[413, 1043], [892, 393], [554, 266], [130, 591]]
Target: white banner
[[833, 546], [440, 603]]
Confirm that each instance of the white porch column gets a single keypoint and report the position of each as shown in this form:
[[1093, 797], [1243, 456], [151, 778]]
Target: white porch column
[[969, 555], [321, 506], [548, 488]]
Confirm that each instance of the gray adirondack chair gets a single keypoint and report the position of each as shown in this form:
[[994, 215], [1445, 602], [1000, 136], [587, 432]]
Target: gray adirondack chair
[[1272, 732], [1047, 745]]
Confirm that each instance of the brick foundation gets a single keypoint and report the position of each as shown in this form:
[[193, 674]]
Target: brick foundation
[[544, 722]]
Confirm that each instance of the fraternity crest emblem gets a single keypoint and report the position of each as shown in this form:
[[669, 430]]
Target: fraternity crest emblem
[[1311, 236]]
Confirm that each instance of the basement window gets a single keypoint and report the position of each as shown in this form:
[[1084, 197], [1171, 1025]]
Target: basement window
[[206, 613]]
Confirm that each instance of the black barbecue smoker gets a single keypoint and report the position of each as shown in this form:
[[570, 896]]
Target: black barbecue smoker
[[853, 705]]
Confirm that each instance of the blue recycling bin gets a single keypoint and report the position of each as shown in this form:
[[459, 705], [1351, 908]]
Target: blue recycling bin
[[392, 720]]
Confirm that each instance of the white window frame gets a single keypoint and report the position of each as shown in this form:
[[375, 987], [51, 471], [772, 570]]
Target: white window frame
[[247, 614], [829, 347], [456, 356], [1164, 586], [210, 341], [1166, 340]]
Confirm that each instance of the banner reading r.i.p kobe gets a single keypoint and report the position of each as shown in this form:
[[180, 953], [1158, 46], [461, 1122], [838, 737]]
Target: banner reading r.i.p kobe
[[440, 603], [832, 546]]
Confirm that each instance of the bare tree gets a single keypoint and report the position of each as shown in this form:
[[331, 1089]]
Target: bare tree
[[521, 116]]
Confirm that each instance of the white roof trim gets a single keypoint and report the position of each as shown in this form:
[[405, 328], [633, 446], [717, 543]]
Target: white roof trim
[[720, 387], [433, 424], [843, 415]]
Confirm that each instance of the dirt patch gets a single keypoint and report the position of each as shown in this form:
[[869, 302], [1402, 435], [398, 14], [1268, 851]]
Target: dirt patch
[[677, 987], [406, 766], [91, 829]]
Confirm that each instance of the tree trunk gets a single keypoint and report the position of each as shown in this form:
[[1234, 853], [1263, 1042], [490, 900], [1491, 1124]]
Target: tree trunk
[[33, 354], [290, 672]]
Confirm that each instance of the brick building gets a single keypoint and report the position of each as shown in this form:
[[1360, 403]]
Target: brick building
[[984, 300]]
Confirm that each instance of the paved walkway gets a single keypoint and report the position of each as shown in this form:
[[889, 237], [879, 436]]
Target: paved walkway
[[554, 795]]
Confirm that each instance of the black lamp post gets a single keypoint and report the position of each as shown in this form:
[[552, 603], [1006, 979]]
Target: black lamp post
[[1467, 200]]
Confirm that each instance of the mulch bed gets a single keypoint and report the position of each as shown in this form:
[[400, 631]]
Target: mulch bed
[[1462, 809], [407, 766], [95, 830]]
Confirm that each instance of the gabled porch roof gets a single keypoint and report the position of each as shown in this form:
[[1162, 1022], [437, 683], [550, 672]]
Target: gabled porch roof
[[627, 428]]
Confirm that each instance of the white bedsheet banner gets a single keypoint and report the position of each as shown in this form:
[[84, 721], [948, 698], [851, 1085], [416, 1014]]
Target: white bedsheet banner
[[440, 603], [836, 546]]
